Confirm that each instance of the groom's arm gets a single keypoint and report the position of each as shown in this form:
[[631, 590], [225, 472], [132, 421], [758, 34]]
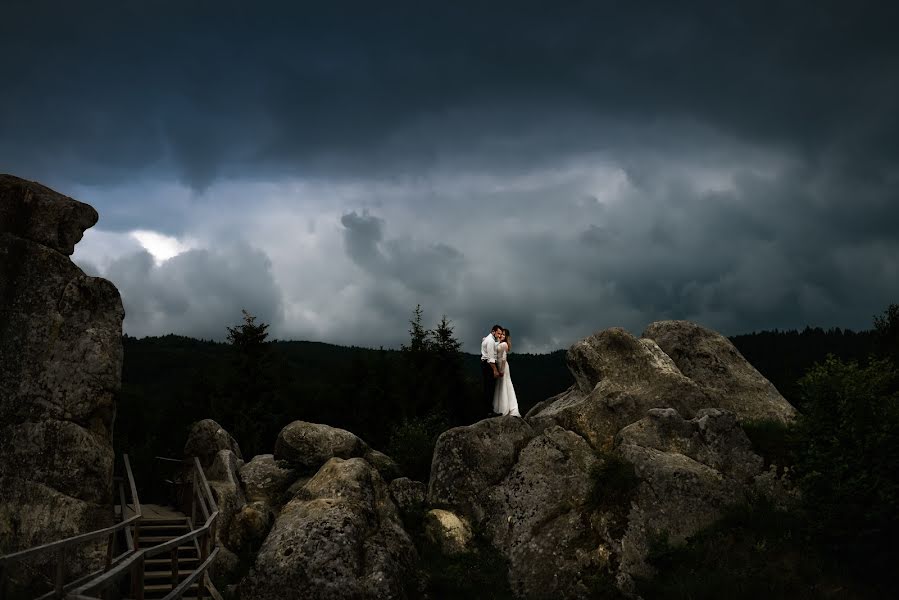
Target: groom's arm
[[491, 359]]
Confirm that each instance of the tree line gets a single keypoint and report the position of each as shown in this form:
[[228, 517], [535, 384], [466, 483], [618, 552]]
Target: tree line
[[396, 400]]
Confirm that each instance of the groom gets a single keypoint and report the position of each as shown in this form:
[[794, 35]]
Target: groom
[[489, 372]]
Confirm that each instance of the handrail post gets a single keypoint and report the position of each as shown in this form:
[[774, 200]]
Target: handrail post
[[174, 567], [137, 579], [193, 496], [204, 554], [110, 549], [60, 572]]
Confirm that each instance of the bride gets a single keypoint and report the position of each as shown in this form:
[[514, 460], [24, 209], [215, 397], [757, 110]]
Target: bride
[[504, 400]]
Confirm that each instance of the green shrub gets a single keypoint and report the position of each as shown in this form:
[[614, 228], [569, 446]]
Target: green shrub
[[412, 443], [840, 540], [848, 465], [773, 440], [753, 551], [480, 573]]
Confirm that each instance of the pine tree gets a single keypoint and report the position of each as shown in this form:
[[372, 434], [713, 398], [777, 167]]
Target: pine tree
[[886, 332], [445, 342], [249, 337], [250, 402], [419, 337]]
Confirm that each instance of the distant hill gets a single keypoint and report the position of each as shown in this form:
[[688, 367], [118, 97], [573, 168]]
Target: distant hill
[[171, 381], [171, 365]]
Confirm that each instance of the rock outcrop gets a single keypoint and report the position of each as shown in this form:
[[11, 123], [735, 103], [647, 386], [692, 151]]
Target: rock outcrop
[[315, 519], [340, 537], [307, 446], [408, 495], [536, 517], [206, 439], [535, 488], [618, 378], [60, 368], [468, 460], [572, 497], [267, 480], [446, 530], [718, 368], [690, 470]]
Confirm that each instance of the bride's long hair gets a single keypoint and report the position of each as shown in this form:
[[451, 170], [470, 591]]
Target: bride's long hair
[[508, 339]]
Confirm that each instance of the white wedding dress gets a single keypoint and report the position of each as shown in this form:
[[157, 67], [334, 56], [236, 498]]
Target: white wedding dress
[[504, 400]]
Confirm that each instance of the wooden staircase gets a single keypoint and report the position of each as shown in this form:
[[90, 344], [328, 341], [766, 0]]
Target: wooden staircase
[[162, 574], [165, 553]]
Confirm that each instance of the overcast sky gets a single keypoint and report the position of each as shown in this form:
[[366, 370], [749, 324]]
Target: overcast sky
[[558, 167]]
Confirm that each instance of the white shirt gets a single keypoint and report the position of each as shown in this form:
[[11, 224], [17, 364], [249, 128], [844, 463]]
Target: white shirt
[[488, 348]]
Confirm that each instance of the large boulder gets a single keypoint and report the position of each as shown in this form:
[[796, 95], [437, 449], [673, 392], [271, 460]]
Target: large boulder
[[536, 517], [527, 493], [206, 439], [690, 471], [575, 495], [469, 459], [340, 537], [60, 370], [715, 364], [408, 495], [223, 476], [385, 465], [618, 378], [249, 527], [307, 446], [225, 467], [229, 500], [448, 532], [267, 480]]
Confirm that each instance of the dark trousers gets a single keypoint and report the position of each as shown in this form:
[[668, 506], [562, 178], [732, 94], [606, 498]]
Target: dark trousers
[[489, 383]]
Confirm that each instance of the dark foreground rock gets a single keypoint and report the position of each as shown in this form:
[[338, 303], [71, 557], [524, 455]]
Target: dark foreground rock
[[60, 368], [206, 439], [340, 537], [718, 368], [618, 378], [540, 492]]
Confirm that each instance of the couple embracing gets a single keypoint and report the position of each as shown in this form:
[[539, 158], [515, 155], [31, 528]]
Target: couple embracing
[[498, 389]]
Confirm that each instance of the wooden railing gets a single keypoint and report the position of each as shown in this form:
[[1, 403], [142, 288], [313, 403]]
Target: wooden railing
[[202, 537], [59, 551]]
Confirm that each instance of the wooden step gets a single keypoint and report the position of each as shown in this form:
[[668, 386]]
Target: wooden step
[[164, 521], [168, 561], [181, 550], [166, 574], [164, 587], [160, 538], [165, 526]]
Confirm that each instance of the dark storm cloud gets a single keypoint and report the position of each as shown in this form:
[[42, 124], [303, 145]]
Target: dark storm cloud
[[785, 248], [425, 268], [557, 168], [97, 90]]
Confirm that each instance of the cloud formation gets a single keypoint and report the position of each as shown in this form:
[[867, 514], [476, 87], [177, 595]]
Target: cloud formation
[[196, 293], [558, 169]]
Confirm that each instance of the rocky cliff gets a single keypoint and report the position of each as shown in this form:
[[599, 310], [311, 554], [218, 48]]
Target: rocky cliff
[[648, 444], [60, 368], [539, 486]]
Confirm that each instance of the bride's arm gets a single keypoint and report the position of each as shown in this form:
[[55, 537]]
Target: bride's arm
[[501, 362]]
